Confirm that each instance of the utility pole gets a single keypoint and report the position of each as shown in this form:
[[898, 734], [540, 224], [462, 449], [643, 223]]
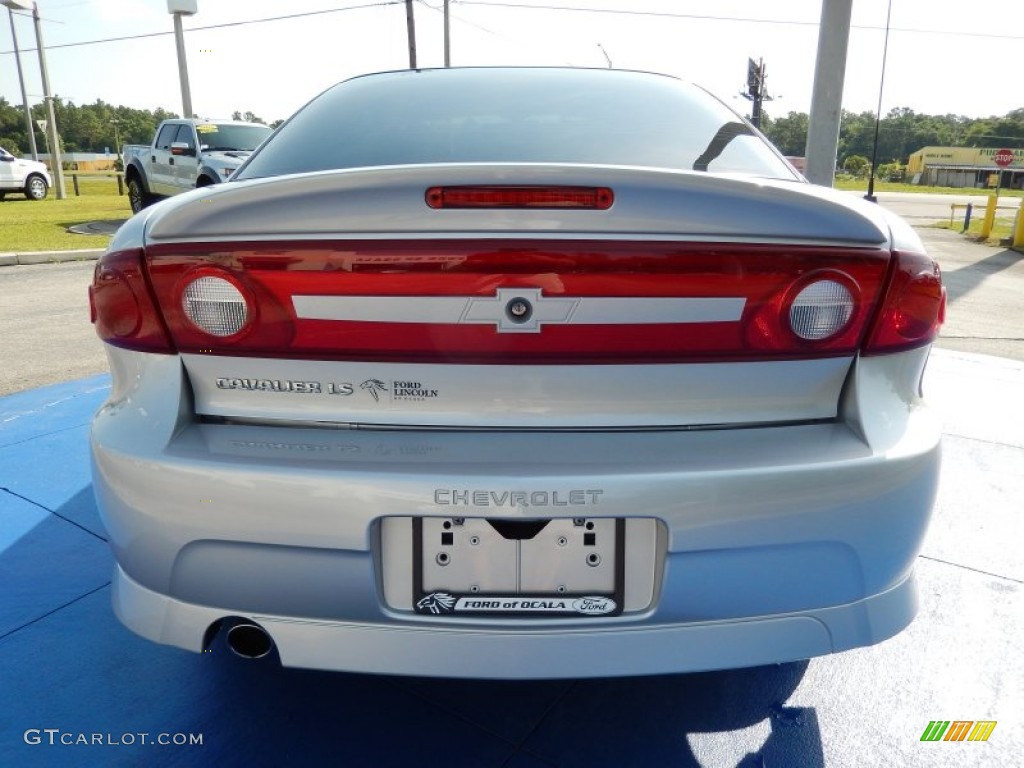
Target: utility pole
[[410, 26], [827, 96], [447, 36], [56, 161], [756, 91], [116, 121], [24, 96]]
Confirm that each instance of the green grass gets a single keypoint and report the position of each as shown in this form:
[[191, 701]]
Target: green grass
[[1002, 228], [30, 225], [861, 185]]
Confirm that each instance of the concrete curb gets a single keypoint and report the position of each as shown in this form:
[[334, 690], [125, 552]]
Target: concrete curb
[[49, 257]]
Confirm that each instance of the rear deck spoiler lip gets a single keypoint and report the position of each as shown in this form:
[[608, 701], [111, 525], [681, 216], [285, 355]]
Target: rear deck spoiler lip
[[389, 202]]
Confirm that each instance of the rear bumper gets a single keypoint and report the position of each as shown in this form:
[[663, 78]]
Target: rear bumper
[[780, 543], [526, 654]]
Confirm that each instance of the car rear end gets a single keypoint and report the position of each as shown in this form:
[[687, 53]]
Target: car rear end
[[516, 419]]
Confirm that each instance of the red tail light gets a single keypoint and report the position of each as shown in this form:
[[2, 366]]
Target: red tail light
[[821, 312], [253, 300], [121, 306], [221, 309], [593, 198], [914, 306], [517, 302]]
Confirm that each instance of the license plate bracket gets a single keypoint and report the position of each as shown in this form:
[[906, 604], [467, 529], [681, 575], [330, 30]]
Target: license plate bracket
[[560, 567]]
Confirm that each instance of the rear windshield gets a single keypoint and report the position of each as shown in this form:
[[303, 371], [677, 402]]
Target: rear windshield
[[516, 116]]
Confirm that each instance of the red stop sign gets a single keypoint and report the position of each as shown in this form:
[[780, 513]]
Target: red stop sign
[[1003, 157]]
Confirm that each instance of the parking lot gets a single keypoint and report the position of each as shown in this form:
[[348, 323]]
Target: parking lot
[[71, 672]]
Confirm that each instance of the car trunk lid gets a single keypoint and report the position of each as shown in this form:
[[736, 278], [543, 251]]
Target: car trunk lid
[[671, 307]]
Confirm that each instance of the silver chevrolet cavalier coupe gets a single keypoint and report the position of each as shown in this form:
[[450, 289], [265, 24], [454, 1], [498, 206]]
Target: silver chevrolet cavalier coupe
[[527, 373]]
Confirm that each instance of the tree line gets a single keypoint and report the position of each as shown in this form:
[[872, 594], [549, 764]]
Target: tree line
[[100, 126], [88, 127], [901, 132]]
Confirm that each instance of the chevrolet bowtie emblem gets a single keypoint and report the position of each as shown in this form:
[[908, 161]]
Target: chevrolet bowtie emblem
[[520, 310]]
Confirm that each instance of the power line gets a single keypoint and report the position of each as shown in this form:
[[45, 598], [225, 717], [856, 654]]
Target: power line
[[709, 17], [52, 7], [521, 6], [144, 35], [468, 23], [488, 31], [628, 12]]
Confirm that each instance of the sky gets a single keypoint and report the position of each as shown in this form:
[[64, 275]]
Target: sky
[[944, 56]]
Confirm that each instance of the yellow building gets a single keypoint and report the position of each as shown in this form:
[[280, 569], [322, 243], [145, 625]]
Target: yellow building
[[963, 167], [83, 161]]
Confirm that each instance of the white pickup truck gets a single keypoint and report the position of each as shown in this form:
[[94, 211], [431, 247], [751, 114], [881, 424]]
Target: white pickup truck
[[26, 176], [185, 154]]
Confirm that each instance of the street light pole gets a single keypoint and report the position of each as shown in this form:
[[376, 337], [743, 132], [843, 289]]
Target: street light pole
[[186, 91], [24, 96], [447, 37], [179, 8]]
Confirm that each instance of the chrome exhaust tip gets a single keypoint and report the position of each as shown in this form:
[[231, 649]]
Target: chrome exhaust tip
[[249, 641]]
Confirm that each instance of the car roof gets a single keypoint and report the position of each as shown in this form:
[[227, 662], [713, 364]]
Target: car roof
[[583, 72]]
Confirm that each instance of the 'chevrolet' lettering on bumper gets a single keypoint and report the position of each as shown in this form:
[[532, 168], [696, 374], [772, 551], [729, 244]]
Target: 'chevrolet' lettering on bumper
[[456, 497]]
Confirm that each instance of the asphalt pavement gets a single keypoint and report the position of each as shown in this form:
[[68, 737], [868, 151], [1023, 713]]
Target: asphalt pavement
[[985, 289], [70, 672], [926, 208]]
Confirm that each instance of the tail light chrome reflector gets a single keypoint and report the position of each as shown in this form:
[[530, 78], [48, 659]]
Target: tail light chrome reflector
[[215, 305], [821, 310]]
